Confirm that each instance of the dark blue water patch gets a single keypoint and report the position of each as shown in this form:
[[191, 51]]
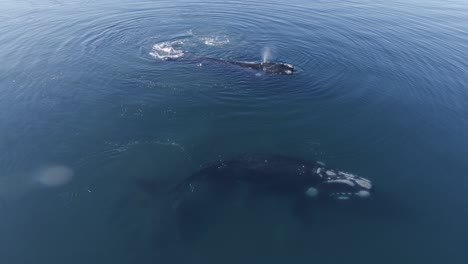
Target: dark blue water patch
[[380, 90]]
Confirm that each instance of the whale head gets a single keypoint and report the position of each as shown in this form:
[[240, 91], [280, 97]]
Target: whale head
[[339, 185], [277, 68]]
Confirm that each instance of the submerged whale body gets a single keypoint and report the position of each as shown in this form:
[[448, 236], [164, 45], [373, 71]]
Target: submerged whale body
[[302, 182], [281, 174]]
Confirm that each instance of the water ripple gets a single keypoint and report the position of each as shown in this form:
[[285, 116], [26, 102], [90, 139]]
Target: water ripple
[[350, 56]]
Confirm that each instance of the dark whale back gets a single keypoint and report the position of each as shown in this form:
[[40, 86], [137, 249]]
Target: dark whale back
[[190, 204], [283, 172], [267, 67]]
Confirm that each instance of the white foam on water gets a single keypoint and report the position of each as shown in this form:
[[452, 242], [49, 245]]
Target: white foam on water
[[167, 50], [215, 40]]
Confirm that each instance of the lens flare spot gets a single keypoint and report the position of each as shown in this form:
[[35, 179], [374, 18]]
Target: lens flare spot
[[54, 176]]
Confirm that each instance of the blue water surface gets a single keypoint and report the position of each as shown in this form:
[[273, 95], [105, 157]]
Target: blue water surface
[[88, 104]]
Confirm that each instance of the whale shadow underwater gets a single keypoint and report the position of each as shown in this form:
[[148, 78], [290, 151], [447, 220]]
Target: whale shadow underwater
[[189, 206], [266, 66]]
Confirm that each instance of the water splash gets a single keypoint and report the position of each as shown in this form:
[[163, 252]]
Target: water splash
[[167, 50], [266, 54], [215, 40]]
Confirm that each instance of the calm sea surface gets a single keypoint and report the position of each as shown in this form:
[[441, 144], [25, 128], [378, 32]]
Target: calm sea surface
[[88, 104]]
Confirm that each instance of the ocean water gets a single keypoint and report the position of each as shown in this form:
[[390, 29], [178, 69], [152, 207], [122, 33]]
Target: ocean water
[[90, 102]]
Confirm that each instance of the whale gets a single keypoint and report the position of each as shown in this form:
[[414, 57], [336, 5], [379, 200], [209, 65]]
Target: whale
[[302, 182], [265, 66], [282, 174]]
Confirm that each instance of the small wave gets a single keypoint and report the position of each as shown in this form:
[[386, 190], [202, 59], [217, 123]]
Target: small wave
[[122, 147], [215, 41], [114, 150], [167, 50]]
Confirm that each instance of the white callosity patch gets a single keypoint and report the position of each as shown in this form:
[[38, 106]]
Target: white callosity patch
[[346, 174], [361, 187], [312, 192], [342, 197], [341, 194], [301, 170], [222, 166], [363, 194], [348, 182], [364, 183], [289, 66], [321, 163]]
